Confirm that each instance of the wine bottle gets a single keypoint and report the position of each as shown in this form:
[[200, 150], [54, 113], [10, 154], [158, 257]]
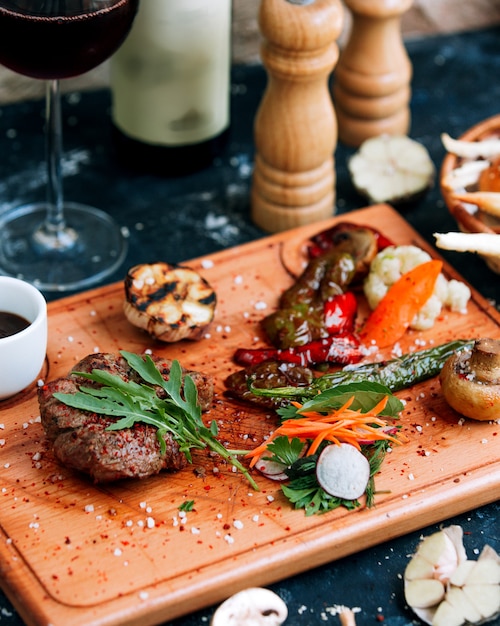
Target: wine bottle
[[170, 87]]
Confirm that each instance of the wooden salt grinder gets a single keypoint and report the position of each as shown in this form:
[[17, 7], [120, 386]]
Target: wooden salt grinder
[[371, 87], [295, 127]]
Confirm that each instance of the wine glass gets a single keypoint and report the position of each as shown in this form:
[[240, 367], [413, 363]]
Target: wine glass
[[59, 245]]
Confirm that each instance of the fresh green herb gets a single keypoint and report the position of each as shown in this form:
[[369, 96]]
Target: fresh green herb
[[285, 450], [178, 414], [366, 395], [303, 489], [354, 413], [187, 505]]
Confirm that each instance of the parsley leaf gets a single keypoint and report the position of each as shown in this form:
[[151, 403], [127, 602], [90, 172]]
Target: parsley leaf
[[285, 450]]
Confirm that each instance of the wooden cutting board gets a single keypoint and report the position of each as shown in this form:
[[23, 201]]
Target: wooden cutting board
[[75, 553]]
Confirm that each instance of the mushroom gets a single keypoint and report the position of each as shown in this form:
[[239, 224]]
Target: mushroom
[[254, 606], [470, 380]]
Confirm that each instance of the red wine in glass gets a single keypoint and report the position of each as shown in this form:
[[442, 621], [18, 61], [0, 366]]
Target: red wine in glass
[[59, 245], [67, 43]]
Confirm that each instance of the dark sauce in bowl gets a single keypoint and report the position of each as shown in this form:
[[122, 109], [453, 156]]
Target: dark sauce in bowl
[[11, 323]]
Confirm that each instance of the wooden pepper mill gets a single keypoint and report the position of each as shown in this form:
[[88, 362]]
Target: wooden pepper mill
[[371, 87], [295, 127]]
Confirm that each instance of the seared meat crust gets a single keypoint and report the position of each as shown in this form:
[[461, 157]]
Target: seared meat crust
[[80, 439]]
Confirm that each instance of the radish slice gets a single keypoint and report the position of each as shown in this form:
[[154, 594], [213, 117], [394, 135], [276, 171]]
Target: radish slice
[[343, 471], [272, 469]]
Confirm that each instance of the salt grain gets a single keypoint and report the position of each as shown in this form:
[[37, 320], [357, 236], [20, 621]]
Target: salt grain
[[89, 508], [260, 306], [238, 524], [207, 264], [150, 522], [228, 539]]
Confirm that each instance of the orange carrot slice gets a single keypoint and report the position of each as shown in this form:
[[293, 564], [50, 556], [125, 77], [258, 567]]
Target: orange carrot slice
[[390, 319]]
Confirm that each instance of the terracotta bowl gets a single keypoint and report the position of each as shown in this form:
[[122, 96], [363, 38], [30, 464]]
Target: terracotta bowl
[[469, 218]]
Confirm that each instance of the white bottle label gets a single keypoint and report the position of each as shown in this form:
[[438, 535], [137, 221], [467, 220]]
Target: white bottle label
[[170, 78]]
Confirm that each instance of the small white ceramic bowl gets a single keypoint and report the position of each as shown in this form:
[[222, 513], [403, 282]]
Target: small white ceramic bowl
[[22, 355]]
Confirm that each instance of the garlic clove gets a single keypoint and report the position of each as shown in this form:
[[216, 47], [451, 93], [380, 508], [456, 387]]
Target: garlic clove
[[447, 615], [486, 598], [424, 593], [419, 567], [462, 572], [486, 571], [445, 550], [464, 607]]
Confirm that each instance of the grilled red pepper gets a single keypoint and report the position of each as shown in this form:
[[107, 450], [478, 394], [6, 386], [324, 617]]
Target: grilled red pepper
[[340, 313], [341, 349], [336, 236]]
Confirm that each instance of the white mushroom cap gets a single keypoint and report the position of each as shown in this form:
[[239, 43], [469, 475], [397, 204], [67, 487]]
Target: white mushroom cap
[[255, 606]]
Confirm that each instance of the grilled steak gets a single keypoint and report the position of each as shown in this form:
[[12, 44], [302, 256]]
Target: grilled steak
[[80, 439]]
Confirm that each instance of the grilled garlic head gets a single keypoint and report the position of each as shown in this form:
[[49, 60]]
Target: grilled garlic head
[[444, 588], [170, 302]]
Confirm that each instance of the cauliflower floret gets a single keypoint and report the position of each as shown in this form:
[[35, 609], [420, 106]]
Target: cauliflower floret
[[458, 294], [392, 262], [427, 315]]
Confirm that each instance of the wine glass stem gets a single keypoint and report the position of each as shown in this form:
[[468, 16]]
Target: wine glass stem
[[53, 236], [55, 215]]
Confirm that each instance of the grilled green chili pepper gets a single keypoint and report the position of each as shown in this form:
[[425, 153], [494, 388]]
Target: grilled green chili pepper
[[300, 317], [395, 374]]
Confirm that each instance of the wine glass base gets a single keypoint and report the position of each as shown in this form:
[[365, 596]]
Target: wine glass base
[[91, 248]]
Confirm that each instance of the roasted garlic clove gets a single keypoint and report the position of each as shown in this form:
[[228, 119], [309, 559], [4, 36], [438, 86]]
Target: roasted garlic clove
[[170, 302]]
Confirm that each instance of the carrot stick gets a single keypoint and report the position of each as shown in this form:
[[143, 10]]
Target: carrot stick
[[390, 319], [342, 425]]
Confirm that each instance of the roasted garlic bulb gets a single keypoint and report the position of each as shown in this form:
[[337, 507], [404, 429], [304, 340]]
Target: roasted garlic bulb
[[170, 302]]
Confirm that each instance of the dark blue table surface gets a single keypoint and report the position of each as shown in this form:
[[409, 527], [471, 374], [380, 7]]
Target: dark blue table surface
[[456, 83]]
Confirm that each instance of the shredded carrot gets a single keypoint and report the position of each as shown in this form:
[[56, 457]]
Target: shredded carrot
[[392, 316], [342, 425]]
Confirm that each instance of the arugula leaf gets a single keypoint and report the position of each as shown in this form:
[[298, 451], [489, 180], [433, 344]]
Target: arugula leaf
[[178, 414]]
